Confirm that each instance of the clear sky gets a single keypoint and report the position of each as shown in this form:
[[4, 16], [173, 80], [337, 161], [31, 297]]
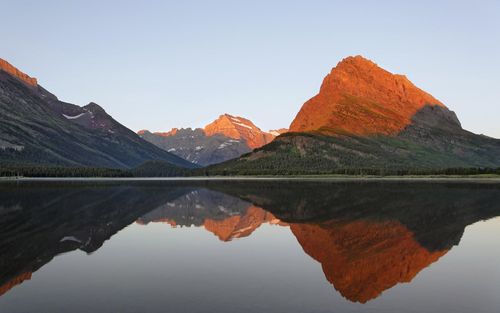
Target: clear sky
[[164, 64]]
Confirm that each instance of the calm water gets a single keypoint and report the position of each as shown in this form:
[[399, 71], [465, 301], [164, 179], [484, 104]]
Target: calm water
[[249, 247]]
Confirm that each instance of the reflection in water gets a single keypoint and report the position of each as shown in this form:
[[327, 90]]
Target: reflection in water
[[225, 216], [368, 237], [361, 259], [14, 281], [38, 222]]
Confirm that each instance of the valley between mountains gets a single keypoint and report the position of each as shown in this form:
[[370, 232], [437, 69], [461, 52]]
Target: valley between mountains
[[363, 117]]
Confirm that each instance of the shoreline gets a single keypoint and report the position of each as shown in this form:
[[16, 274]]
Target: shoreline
[[430, 178]]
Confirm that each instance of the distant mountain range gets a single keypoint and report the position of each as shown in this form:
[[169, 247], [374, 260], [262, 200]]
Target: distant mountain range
[[367, 117], [363, 117], [226, 138], [37, 128]]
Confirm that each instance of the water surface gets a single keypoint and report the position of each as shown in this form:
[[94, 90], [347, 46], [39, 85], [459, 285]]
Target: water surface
[[262, 246]]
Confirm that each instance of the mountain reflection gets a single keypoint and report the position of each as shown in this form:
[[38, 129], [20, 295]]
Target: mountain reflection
[[225, 216], [361, 259], [368, 237], [40, 221]]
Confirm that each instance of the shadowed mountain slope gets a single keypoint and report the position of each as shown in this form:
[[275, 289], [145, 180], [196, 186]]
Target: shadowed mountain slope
[[37, 128]]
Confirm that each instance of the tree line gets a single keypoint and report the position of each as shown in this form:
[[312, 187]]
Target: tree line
[[161, 171]]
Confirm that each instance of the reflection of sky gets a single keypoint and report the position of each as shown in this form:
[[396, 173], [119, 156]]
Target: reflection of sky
[[152, 64], [157, 268]]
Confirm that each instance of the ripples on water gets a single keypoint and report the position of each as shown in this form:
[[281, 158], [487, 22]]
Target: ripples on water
[[268, 246]]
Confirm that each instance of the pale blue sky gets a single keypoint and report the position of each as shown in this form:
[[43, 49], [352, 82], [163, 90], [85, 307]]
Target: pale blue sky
[[164, 64]]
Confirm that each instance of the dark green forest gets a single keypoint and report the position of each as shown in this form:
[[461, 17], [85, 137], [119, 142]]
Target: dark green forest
[[162, 169]]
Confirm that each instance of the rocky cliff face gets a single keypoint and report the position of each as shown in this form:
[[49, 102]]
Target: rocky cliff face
[[360, 98], [226, 138], [9, 68], [195, 146], [239, 128]]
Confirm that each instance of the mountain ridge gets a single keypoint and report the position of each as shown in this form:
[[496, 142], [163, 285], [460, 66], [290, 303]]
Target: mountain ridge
[[227, 137], [14, 71], [37, 128]]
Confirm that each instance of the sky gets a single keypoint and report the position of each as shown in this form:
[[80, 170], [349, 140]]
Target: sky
[[162, 64]]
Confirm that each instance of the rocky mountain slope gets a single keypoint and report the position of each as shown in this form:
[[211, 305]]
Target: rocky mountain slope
[[236, 127], [37, 128], [226, 138], [360, 98], [367, 117], [197, 147]]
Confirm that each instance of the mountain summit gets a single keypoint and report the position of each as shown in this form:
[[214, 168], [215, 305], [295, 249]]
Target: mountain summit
[[366, 118], [226, 138], [358, 97], [239, 128]]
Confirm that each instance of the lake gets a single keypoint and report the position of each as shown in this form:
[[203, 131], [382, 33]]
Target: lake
[[249, 246]]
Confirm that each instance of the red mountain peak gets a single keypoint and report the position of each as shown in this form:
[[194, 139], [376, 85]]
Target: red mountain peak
[[360, 98], [237, 127]]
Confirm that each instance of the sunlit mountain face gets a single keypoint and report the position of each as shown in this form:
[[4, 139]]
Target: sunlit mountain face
[[367, 238], [225, 138]]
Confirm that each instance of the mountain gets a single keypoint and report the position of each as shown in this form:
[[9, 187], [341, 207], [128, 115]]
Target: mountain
[[226, 138], [197, 147], [366, 117], [360, 98], [236, 127], [37, 128]]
